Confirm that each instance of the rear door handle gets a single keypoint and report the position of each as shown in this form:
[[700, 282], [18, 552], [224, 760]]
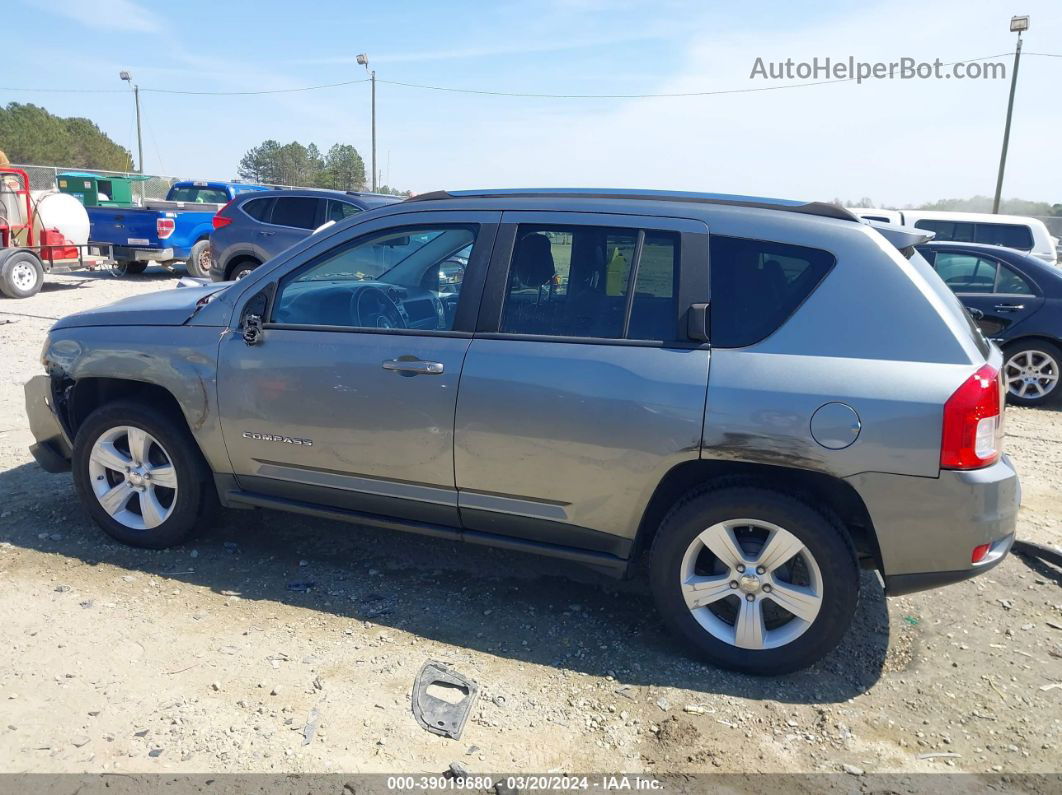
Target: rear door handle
[[413, 367], [1009, 307], [267, 234]]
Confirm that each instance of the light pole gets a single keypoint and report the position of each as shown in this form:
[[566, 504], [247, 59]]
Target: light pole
[[136, 98], [1017, 25], [363, 60]]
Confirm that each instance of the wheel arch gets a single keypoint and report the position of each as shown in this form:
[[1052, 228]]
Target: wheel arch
[[1030, 337], [88, 394], [76, 398], [817, 488]]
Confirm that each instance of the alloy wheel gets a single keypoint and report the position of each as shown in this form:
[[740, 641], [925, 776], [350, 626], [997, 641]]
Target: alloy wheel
[[133, 477], [751, 584], [1031, 374]]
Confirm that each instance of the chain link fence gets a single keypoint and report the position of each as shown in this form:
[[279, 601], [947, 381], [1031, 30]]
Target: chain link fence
[[1053, 224], [43, 178]]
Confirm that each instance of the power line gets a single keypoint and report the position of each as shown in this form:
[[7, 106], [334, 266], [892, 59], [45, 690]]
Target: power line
[[67, 90], [485, 92], [249, 93], [656, 96]]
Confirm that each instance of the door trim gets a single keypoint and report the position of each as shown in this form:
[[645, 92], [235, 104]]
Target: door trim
[[604, 562]]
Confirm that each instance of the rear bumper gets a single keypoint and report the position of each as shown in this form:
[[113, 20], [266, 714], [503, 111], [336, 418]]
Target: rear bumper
[[141, 254], [52, 448], [927, 528]]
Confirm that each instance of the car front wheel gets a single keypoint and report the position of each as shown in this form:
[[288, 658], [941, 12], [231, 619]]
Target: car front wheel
[[141, 476], [754, 580], [1031, 371]]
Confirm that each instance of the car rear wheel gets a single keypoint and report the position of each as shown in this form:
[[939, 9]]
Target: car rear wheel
[[199, 260], [21, 274], [1032, 371], [242, 269], [141, 476], [754, 580]]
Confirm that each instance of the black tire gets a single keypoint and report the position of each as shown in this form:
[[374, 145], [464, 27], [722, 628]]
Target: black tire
[[131, 267], [198, 262], [241, 269], [21, 274], [821, 535], [195, 500], [1034, 347]]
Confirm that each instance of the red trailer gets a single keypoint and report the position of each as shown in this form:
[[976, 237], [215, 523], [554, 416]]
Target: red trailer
[[26, 256]]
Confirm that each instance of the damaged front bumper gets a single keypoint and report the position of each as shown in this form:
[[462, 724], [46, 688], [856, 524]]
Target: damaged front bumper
[[53, 447]]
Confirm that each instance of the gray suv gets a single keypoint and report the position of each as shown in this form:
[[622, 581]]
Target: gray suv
[[257, 226], [762, 396]]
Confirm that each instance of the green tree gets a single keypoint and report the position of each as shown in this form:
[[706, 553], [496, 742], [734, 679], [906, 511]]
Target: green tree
[[30, 134], [343, 169], [260, 163]]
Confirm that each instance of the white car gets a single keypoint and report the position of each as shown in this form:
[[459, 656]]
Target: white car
[[1011, 231]]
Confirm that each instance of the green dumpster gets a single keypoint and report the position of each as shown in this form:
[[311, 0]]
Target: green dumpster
[[97, 190]]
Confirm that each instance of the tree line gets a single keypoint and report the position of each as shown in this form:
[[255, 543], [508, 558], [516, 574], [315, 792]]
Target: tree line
[[273, 163], [30, 134], [973, 204]]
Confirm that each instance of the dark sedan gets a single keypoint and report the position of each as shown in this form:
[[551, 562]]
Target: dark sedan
[[256, 226], [1016, 299]]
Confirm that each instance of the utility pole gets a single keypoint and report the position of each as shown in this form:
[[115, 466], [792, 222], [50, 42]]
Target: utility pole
[[363, 60], [139, 138], [1017, 25]]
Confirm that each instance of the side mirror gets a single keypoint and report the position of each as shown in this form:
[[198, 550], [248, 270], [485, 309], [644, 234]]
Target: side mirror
[[697, 322]]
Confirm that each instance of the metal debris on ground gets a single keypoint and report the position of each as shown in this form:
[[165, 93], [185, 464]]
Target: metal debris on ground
[[310, 729], [435, 714]]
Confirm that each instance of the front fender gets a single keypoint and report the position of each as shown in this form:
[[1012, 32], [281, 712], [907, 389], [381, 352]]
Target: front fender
[[182, 360]]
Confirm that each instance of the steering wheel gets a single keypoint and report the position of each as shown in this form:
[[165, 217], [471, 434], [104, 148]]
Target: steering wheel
[[371, 307]]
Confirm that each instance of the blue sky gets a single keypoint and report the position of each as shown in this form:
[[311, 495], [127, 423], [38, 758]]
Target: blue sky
[[895, 141]]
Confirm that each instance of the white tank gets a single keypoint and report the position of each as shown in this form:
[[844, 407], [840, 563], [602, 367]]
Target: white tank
[[54, 210]]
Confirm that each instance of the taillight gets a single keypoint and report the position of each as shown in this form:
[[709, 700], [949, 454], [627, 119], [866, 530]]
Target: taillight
[[973, 422], [220, 219], [164, 227]]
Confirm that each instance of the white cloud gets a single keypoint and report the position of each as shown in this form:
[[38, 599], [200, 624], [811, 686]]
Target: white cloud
[[105, 14]]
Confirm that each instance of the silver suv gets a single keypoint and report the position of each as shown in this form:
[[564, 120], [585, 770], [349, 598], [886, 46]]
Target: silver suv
[[763, 396]]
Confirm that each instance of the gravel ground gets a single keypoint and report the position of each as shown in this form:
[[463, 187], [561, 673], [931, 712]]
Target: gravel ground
[[204, 658]]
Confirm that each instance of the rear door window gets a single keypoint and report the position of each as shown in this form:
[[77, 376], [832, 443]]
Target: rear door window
[[966, 273], [297, 211], [757, 284], [576, 281]]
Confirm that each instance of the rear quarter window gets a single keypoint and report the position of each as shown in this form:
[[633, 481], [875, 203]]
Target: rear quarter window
[[258, 209], [1009, 235], [757, 284]]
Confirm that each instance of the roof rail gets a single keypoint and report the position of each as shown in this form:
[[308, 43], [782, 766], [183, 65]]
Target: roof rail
[[811, 208]]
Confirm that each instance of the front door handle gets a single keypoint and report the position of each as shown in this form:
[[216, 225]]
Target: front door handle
[[413, 367], [1009, 307]]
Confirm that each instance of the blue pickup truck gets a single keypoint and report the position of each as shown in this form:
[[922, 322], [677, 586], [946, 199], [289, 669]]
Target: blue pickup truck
[[168, 231]]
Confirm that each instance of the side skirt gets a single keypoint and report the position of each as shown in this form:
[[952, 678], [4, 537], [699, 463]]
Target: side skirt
[[601, 561]]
